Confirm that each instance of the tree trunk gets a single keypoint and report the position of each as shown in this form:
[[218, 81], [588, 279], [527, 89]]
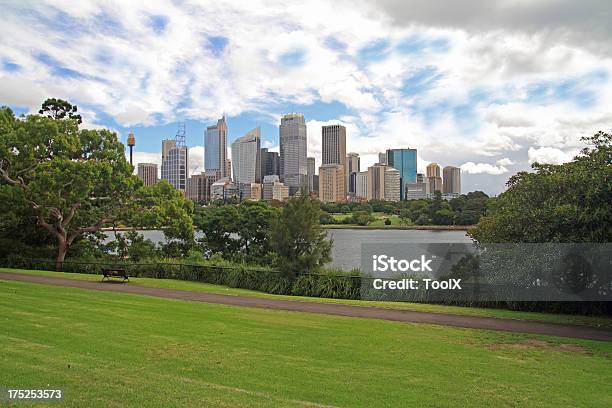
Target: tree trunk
[[61, 254]]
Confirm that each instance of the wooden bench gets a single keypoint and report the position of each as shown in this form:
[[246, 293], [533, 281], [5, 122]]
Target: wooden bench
[[115, 273]]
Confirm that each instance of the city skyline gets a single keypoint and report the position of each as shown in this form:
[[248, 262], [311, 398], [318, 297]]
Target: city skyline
[[489, 95]]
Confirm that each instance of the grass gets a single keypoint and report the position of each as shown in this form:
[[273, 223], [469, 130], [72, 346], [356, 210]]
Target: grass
[[119, 350], [595, 321]]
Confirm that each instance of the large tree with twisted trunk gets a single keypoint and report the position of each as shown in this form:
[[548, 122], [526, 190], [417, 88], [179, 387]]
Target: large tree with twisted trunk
[[73, 181]]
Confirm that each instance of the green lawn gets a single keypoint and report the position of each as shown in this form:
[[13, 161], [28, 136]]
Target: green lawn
[[115, 350], [597, 321]]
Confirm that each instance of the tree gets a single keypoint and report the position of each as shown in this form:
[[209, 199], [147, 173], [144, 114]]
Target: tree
[[74, 181], [299, 242], [218, 223], [253, 228], [404, 216], [556, 203], [60, 109]]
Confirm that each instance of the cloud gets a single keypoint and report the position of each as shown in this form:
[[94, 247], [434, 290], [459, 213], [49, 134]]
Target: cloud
[[482, 168], [196, 160], [505, 162], [133, 115], [548, 155]]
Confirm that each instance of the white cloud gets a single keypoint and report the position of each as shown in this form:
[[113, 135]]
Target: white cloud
[[505, 162], [133, 115], [548, 155], [483, 168], [196, 160]]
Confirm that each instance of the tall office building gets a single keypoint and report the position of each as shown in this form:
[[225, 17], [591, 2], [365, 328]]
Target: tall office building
[[376, 182], [352, 168], [293, 144], [382, 158], [269, 163], [175, 161], [418, 190], [166, 146], [361, 184], [246, 158], [175, 167], [333, 144], [433, 170], [147, 173], [215, 148], [452, 180], [331, 183], [392, 184], [313, 179], [405, 161], [434, 178], [199, 185]]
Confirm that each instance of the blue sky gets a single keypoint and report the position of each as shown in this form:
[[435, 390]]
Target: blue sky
[[478, 87]]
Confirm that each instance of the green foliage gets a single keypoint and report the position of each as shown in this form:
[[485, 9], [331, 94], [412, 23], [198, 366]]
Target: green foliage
[[60, 109], [556, 203], [299, 242]]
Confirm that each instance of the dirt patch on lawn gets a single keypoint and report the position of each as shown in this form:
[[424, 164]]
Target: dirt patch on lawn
[[538, 344]]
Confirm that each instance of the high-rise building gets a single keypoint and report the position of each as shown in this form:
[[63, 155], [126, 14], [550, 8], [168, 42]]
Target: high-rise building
[[352, 168], [392, 184], [331, 183], [269, 163], [273, 189], [333, 145], [376, 182], [452, 180], [147, 173], [382, 158], [166, 146], [293, 144], [434, 178], [361, 184], [313, 182], [175, 161], [418, 190], [405, 161], [246, 158], [215, 148], [228, 168], [433, 170], [199, 185]]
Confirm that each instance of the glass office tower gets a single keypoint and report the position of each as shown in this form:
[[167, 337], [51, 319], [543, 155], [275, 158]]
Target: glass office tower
[[405, 161]]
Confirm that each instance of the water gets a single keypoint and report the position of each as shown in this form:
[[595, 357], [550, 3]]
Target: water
[[346, 251]]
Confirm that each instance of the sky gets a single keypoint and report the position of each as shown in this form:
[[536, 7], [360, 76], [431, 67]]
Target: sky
[[488, 86]]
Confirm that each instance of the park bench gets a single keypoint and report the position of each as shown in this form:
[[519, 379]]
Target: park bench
[[115, 273]]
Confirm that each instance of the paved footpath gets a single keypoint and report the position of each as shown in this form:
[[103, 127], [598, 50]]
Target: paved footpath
[[368, 312]]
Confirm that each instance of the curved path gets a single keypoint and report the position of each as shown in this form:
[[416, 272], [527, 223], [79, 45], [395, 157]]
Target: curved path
[[368, 312]]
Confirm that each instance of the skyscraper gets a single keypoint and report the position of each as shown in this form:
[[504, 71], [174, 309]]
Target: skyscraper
[[215, 148], [269, 163], [246, 158], [147, 173], [352, 168], [166, 146], [174, 166], [293, 144], [313, 182], [433, 178], [331, 183], [361, 184], [376, 182], [382, 158], [405, 161], [333, 144], [392, 184], [452, 180]]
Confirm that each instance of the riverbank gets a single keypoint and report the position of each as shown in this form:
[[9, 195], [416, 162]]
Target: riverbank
[[401, 227], [355, 227]]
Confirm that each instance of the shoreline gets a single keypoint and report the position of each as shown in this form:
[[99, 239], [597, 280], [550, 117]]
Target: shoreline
[[348, 227], [403, 227]]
